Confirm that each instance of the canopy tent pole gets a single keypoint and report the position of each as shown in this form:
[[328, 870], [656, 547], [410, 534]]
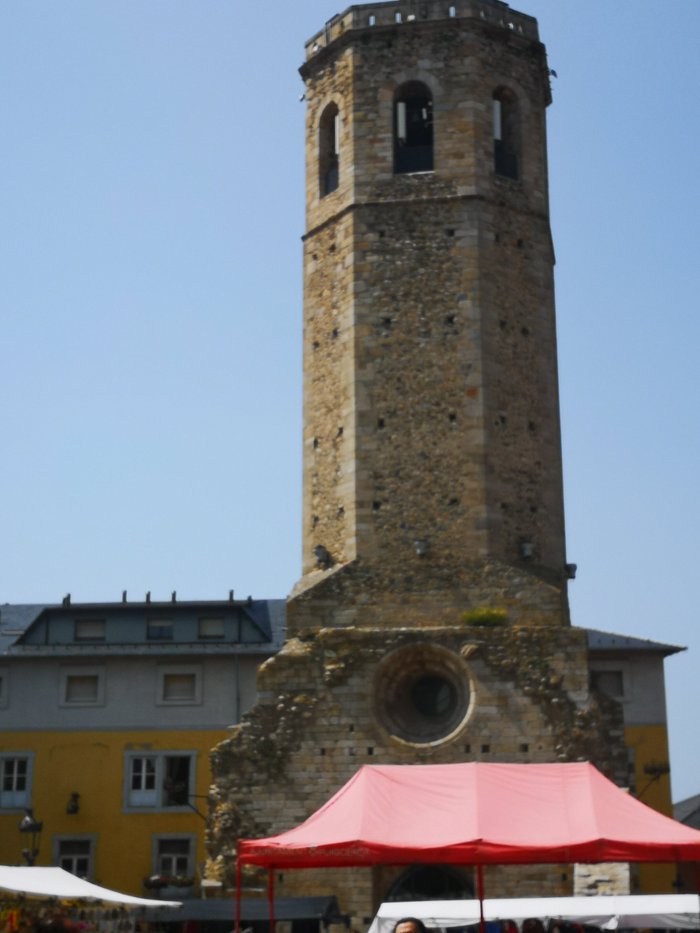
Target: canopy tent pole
[[271, 897], [237, 926], [480, 894]]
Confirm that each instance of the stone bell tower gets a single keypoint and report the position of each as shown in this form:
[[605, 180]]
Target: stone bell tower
[[431, 420], [430, 623]]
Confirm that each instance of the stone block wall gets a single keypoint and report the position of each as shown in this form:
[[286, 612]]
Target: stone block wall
[[431, 401], [321, 716], [432, 464]]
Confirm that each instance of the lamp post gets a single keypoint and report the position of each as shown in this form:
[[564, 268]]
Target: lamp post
[[33, 827]]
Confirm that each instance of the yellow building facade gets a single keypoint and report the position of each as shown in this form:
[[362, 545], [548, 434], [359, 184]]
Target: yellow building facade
[[80, 794], [631, 672], [107, 719]]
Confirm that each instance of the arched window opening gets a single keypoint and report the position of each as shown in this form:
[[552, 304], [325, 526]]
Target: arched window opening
[[506, 134], [413, 129], [329, 150], [430, 883]]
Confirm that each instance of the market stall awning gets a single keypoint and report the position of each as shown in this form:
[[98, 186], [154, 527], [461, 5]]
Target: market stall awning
[[56, 883], [324, 909], [478, 814], [611, 912]]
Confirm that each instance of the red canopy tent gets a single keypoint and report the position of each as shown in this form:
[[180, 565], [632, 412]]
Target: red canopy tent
[[475, 814]]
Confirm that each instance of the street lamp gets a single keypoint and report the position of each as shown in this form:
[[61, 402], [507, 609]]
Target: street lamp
[[33, 827]]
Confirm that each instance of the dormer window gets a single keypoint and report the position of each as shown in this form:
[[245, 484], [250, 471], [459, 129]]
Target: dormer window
[[506, 134], [329, 150], [159, 629], [89, 630], [413, 129], [211, 629]]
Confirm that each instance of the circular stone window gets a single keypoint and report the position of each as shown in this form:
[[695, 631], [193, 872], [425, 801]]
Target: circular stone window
[[422, 694]]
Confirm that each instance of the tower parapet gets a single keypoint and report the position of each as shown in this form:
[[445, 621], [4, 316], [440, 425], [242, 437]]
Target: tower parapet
[[398, 12]]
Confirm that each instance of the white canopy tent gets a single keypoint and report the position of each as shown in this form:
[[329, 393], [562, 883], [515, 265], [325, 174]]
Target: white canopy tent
[[56, 883], [611, 912]]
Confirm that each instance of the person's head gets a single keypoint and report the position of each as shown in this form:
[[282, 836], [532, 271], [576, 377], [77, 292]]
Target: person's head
[[410, 925]]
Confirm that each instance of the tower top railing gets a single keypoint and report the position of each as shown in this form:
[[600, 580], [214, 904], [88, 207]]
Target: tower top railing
[[408, 12]]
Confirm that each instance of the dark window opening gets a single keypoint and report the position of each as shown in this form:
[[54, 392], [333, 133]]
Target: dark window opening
[[159, 629], [413, 129], [329, 150], [429, 883], [609, 682], [506, 134], [433, 696], [176, 783]]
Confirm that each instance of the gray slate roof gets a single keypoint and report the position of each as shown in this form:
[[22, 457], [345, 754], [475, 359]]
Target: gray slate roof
[[269, 615], [688, 811], [14, 620], [610, 641]]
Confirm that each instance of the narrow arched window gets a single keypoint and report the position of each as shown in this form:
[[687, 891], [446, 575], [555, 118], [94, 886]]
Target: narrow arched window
[[413, 128], [506, 134], [329, 150]]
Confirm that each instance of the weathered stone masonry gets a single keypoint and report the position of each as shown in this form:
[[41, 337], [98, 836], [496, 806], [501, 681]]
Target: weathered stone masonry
[[431, 619]]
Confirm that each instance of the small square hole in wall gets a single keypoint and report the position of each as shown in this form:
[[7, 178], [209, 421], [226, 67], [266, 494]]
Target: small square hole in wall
[[370, 751], [485, 749], [467, 749], [322, 752], [524, 747]]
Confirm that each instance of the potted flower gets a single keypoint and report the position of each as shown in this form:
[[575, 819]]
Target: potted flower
[[170, 887]]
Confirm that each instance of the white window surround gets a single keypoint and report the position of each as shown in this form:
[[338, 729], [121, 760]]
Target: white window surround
[[16, 780], [147, 784], [81, 686], [179, 685]]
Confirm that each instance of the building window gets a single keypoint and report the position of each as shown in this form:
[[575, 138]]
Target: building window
[[506, 134], [413, 129], [74, 855], [159, 629], [4, 686], [15, 781], [89, 630], [173, 856], [159, 781], [179, 686], [329, 150], [611, 683], [211, 629], [82, 686]]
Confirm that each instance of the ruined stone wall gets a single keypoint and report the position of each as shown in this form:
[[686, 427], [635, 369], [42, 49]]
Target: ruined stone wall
[[321, 715]]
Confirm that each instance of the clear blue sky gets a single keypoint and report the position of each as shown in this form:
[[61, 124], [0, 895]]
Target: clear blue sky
[[151, 204]]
